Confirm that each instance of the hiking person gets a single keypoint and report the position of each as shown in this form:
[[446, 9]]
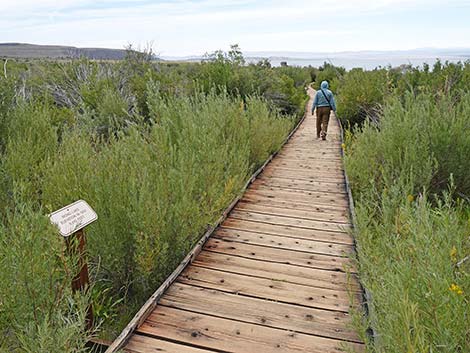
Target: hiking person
[[324, 102]]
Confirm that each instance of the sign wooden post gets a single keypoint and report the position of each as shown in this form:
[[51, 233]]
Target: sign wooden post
[[81, 281], [71, 220]]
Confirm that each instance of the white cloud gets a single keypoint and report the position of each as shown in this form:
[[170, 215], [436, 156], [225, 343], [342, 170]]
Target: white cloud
[[190, 27]]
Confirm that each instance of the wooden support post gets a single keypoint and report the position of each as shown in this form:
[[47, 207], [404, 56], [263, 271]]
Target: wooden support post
[[76, 245]]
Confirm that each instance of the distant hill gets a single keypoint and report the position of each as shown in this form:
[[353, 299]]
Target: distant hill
[[351, 59], [33, 51]]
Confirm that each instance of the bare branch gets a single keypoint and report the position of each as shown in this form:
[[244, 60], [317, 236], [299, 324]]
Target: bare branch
[[5, 68], [461, 262]]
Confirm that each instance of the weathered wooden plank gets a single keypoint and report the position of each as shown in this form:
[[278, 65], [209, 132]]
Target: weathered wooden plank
[[329, 156], [317, 165], [314, 150], [301, 233], [234, 336], [314, 179], [144, 344], [316, 205], [332, 324], [313, 207], [305, 155], [321, 166], [313, 167], [305, 195], [276, 241], [285, 256], [329, 173], [312, 277], [301, 185], [303, 175], [333, 148], [270, 289], [292, 222], [323, 215], [291, 195]]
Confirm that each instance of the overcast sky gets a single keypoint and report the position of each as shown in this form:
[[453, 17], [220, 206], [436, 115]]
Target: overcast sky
[[184, 27]]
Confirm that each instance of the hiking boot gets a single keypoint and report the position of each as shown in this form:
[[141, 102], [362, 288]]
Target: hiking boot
[[323, 136]]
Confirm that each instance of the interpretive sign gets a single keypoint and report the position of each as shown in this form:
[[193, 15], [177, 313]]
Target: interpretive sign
[[73, 217]]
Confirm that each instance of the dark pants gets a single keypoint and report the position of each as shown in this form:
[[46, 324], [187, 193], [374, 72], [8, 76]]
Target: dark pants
[[323, 117]]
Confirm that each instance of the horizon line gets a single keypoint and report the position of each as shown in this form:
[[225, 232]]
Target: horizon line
[[253, 52]]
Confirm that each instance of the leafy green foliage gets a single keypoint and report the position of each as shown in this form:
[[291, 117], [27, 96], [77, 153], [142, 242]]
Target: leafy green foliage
[[332, 74], [282, 87], [408, 173], [360, 93], [408, 260], [38, 312], [420, 140], [158, 150]]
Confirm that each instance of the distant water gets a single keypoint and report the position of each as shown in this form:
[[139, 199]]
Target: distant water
[[366, 62]]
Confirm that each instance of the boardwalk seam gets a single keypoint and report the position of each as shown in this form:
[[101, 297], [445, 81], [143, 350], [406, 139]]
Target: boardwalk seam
[[292, 217], [264, 325], [269, 278], [182, 343], [235, 240], [268, 299], [285, 236], [288, 225], [287, 263]]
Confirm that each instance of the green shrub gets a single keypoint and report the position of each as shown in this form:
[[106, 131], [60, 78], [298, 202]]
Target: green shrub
[[360, 93], [332, 74], [7, 98], [405, 173], [407, 259], [420, 139], [38, 312], [31, 140]]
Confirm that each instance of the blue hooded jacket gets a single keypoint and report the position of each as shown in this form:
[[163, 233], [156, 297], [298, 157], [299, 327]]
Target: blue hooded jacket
[[321, 101]]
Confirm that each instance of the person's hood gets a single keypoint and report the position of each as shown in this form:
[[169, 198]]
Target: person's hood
[[324, 85]]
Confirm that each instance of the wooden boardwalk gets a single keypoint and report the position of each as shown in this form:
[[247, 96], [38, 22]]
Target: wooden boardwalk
[[274, 276]]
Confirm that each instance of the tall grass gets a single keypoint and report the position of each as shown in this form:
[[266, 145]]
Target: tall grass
[[409, 179]]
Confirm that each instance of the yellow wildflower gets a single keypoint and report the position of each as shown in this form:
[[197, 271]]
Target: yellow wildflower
[[453, 254], [410, 198], [456, 289], [343, 146]]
